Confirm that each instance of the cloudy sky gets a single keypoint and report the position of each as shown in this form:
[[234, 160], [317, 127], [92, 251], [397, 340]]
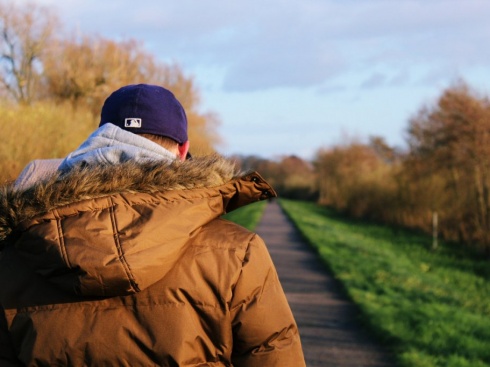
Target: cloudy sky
[[293, 76]]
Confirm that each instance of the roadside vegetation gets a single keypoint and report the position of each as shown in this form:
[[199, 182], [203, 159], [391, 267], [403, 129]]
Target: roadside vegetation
[[438, 183], [432, 307]]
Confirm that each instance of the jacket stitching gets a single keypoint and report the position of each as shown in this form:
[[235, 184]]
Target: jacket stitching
[[92, 305], [120, 252], [61, 236]]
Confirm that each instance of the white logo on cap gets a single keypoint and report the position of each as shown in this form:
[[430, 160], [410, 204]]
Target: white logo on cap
[[132, 122]]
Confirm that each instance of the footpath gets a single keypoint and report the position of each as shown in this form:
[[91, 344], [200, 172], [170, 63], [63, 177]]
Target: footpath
[[328, 322]]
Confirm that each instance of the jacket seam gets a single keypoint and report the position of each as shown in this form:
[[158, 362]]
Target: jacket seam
[[120, 252], [92, 305], [244, 260], [59, 228]]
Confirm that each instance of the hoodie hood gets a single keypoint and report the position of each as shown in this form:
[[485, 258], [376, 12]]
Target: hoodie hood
[[116, 230], [110, 144]]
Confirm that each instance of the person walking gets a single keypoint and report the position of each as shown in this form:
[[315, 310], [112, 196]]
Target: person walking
[[117, 255]]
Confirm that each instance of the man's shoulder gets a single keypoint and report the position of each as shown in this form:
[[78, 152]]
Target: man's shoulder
[[226, 226], [227, 233]]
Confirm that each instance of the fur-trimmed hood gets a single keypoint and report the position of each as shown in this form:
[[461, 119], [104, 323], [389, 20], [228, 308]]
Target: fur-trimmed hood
[[114, 230], [82, 183]]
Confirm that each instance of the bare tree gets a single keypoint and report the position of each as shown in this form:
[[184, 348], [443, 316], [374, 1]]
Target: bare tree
[[25, 33]]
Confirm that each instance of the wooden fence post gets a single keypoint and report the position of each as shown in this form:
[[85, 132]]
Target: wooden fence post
[[435, 224]]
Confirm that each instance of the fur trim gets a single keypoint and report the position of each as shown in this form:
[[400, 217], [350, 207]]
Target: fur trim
[[91, 182]]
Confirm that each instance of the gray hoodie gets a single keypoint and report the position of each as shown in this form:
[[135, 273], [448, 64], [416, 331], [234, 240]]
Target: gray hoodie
[[108, 144]]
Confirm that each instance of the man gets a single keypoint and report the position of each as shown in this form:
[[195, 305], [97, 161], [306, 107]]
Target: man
[[117, 256]]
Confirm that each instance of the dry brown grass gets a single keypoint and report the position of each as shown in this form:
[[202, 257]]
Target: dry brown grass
[[40, 131]]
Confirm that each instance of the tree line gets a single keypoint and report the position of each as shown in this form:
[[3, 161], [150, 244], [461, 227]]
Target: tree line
[[443, 173]]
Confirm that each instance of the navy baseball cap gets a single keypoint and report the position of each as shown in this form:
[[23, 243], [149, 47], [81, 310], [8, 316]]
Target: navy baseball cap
[[146, 109]]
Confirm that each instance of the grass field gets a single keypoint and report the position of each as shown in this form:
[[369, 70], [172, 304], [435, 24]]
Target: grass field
[[247, 216], [431, 307]]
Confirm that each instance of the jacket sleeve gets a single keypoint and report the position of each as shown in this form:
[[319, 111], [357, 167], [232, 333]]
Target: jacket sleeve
[[264, 329], [7, 355]]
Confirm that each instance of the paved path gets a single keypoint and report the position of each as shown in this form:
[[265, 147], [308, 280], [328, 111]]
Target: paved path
[[327, 321]]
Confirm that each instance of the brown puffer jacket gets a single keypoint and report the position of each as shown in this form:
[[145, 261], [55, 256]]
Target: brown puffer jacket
[[131, 265]]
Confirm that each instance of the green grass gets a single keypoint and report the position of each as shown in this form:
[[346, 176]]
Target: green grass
[[431, 307], [247, 216]]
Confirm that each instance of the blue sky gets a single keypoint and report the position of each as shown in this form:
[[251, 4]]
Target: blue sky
[[292, 76]]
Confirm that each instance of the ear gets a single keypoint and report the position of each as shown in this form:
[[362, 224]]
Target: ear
[[183, 149]]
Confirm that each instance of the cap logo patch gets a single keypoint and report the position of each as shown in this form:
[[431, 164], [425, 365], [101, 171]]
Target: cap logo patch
[[132, 122]]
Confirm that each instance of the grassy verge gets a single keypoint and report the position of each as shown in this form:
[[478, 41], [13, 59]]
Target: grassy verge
[[431, 307], [247, 216]]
